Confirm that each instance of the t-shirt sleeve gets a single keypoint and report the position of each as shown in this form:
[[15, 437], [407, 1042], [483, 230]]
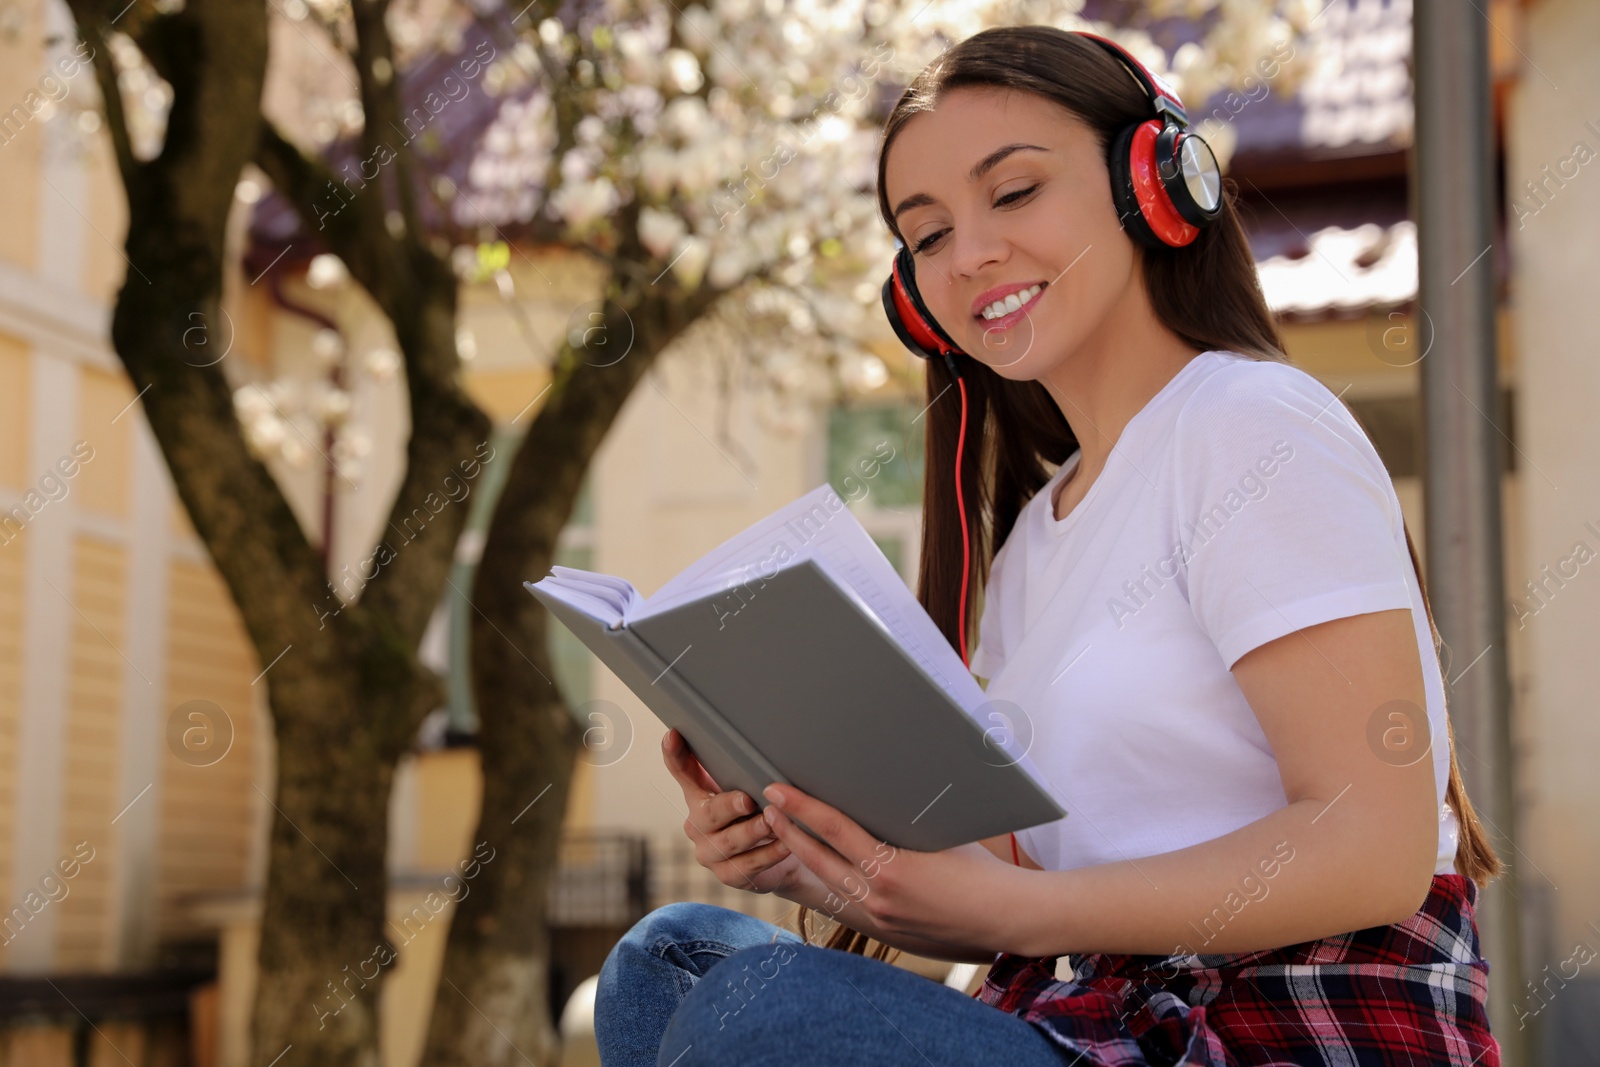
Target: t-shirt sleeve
[[990, 654], [1286, 513]]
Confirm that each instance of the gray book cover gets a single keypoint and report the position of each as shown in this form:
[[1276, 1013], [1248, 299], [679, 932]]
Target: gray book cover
[[801, 683]]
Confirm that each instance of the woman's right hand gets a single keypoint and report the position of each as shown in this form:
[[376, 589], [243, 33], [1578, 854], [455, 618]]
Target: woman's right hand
[[731, 839]]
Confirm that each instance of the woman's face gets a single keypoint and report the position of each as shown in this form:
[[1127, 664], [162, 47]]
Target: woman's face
[[987, 219]]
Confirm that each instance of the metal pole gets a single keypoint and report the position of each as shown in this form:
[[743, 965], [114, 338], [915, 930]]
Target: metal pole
[[1453, 190]]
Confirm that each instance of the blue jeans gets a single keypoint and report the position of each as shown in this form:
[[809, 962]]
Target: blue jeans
[[694, 984]]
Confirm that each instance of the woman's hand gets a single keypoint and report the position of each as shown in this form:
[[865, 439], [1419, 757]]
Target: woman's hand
[[955, 898], [731, 839]]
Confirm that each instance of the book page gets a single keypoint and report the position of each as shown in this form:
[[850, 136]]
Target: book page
[[602, 597], [819, 525], [739, 558], [581, 596]]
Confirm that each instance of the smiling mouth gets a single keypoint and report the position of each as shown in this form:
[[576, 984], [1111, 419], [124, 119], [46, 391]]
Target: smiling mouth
[[1018, 301]]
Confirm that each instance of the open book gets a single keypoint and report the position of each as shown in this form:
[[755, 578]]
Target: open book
[[794, 653]]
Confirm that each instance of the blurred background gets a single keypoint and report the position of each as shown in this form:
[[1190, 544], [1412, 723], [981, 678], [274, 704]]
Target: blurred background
[[323, 326]]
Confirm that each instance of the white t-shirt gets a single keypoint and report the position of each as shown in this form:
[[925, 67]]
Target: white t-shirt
[[1242, 503]]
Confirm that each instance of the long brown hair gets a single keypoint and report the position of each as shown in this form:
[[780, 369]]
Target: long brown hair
[[1207, 293]]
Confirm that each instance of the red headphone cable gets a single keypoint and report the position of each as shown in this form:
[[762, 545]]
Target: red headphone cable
[[966, 551], [961, 508]]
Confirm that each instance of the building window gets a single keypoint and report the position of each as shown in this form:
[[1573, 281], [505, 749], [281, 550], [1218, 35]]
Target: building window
[[874, 462]]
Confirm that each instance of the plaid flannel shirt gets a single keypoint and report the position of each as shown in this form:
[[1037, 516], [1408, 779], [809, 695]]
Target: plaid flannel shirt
[[1406, 995]]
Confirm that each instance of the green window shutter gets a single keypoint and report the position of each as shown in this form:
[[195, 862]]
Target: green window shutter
[[463, 709], [859, 436]]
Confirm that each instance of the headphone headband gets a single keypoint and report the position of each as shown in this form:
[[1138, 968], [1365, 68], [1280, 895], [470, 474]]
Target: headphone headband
[[1162, 96]]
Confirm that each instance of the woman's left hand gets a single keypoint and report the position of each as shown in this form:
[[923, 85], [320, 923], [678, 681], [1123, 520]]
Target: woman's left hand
[[956, 897]]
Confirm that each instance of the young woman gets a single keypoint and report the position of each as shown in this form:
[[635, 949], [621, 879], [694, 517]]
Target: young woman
[[1208, 617]]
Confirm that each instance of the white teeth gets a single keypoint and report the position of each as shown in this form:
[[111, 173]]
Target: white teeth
[[1011, 303]]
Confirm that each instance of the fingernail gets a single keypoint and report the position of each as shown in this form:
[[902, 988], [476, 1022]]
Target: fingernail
[[770, 816], [741, 803], [773, 794]]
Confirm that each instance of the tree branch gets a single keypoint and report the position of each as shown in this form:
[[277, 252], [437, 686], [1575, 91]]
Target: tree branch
[[359, 236], [380, 104], [87, 16], [152, 33]]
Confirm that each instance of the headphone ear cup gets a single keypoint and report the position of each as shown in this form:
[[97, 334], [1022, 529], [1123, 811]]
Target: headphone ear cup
[[1173, 146], [1146, 193], [892, 310], [909, 316], [1123, 196]]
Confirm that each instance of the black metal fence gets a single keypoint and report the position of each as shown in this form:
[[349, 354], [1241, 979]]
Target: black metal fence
[[605, 881]]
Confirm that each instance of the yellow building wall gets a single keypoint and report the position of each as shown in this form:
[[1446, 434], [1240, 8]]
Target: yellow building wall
[[1355, 349], [178, 521], [505, 394], [449, 794], [104, 483], [448, 798], [206, 823], [21, 64], [580, 798], [11, 556], [14, 415], [14, 425], [35, 1046], [107, 211], [254, 318], [94, 736]]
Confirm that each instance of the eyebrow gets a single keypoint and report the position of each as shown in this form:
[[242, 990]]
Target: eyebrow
[[982, 167]]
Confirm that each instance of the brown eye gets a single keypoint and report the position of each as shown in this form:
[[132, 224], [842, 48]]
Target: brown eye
[[1011, 198]]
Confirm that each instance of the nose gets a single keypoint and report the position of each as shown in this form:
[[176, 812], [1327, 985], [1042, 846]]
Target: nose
[[975, 248]]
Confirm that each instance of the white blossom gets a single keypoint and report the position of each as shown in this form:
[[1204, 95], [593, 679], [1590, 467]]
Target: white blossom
[[686, 117], [690, 265], [657, 170], [683, 71], [327, 345], [728, 268], [381, 363], [329, 404], [327, 271], [660, 231], [581, 203]]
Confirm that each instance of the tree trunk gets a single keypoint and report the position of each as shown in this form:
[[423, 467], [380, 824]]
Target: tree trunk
[[324, 950], [346, 692], [497, 960], [491, 1005]]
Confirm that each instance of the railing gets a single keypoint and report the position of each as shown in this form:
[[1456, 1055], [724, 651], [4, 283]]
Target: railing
[[612, 878], [605, 881], [600, 880]]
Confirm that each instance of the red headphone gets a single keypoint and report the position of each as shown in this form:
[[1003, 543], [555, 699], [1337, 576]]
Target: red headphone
[[1166, 186]]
